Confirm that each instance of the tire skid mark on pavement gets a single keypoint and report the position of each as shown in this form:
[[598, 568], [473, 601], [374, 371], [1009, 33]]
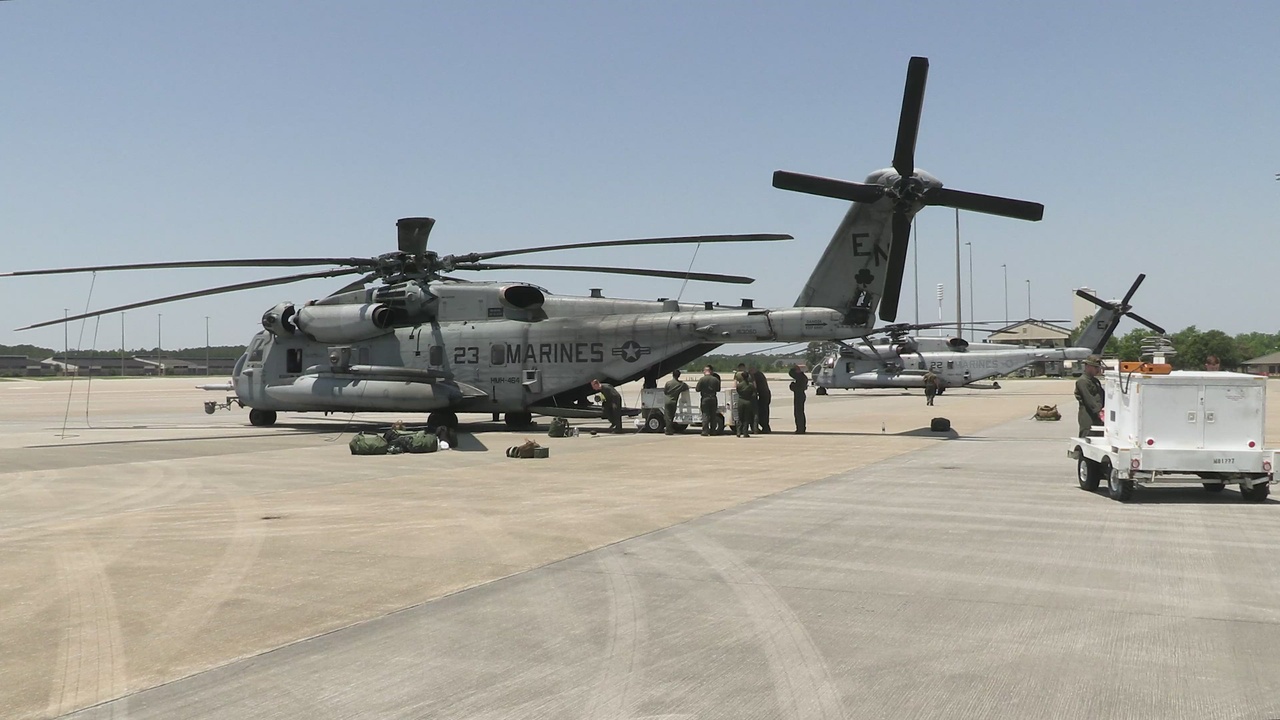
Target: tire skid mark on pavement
[[90, 664], [802, 681], [627, 625], [193, 614]]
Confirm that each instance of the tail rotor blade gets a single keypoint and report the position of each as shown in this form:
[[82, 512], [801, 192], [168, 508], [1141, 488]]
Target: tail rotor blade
[[897, 266], [1146, 322], [1132, 289], [827, 187], [904, 153], [989, 204], [1095, 301]]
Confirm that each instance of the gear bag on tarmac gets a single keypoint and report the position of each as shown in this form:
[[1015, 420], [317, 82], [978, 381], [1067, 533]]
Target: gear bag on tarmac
[[368, 444]]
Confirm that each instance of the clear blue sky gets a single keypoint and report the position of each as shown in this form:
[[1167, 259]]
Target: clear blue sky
[[147, 131]]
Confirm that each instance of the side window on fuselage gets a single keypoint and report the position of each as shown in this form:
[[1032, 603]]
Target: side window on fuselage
[[293, 360]]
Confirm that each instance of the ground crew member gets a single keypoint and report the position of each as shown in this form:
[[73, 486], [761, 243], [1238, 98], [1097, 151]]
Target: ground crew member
[[674, 388], [1089, 393], [930, 387], [746, 402], [763, 398], [799, 383], [610, 403], [708, 386]]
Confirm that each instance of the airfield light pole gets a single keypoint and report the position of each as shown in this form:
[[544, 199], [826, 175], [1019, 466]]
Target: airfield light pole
[[66, 344], [1028, 299], [939, 302], [1006, 292], [959, 287], [206, 345], [122, 344], [973, 329]]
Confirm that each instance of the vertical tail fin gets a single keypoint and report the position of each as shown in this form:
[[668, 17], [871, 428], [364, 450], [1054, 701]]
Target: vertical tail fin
[[1108, 317]]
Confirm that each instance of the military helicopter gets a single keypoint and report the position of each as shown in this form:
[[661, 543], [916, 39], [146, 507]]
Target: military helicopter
[[422, 340], [902, 360]]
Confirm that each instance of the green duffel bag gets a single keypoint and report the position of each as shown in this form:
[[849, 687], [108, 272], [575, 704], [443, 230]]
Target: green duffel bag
[[420, 442], [368, 444], [559, 427]]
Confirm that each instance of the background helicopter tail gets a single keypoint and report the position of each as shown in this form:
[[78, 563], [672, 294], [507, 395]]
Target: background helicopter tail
[[1108, 317]]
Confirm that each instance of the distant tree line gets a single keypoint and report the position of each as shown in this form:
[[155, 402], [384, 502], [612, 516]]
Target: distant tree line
[[221, 352], [1192, 346]]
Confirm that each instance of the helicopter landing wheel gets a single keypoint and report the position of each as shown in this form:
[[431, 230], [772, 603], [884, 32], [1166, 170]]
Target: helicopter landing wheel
[[262, 418], [517, 420], [820, 391], [443, 418]]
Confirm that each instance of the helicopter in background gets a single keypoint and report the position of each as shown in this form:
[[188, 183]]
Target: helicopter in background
[[409, 336], [903, 360]]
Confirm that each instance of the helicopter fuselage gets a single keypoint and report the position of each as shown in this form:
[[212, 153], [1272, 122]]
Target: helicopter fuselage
[[505, 365], [956, 363]]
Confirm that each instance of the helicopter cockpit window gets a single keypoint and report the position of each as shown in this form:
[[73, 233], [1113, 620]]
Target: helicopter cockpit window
[[255, 355]]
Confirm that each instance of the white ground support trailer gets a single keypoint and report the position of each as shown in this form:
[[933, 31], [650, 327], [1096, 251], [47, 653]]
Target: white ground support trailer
[[688, 410], [1179, 427]]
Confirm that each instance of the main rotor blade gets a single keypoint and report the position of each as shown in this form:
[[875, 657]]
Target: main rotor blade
[[897, 265], [989, 204], [904, 153], [1146, 322], [758, 237], [200, 293], [358, 284], [827, 187], [676, 274], [261, 262], [1132, 289]]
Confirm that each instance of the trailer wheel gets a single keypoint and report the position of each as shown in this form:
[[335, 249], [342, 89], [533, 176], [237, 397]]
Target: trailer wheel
[[820, 391], [1214, 487], [654, 423], [1119, 489], [1257, 493], [1089, 474]]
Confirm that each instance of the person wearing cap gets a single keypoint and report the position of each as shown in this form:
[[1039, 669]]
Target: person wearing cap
[[1089, 393]]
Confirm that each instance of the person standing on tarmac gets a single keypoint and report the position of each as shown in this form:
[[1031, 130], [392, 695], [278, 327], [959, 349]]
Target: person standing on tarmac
[[763, 398], [708, 387], [674, 388], [610, 403], [1089, 393], [930, 387], [746, 402], [799, 383]]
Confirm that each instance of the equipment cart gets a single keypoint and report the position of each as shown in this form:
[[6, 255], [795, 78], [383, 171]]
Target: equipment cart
[[688, 411], [1161, 426]]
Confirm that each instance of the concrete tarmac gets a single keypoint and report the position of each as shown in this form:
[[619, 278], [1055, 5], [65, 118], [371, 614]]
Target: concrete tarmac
[[158, 562]]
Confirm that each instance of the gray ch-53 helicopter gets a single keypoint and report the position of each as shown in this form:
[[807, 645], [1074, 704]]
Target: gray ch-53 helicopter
[[424, 341], [903, 360]]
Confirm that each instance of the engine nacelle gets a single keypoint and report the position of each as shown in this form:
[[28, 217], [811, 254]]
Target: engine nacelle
[[279, 320], [344, 323], [521, 297]]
